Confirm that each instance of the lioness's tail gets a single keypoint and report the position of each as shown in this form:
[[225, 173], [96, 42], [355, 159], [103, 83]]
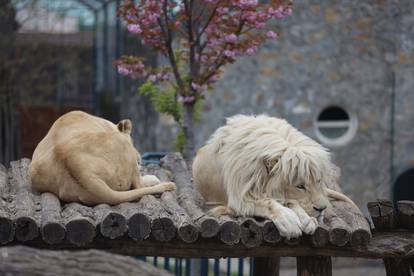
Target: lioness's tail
[[340, 196]]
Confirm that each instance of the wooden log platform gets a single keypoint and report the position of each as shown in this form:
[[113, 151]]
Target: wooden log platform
[[176, 224]]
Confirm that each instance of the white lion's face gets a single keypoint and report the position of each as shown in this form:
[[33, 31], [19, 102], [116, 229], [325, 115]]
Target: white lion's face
[[311, 196]]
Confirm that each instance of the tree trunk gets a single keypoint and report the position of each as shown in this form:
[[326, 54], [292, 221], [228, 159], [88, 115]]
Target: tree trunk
[[188, 128]]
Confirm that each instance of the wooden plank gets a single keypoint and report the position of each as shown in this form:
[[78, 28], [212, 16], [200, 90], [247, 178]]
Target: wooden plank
[[80, 223], [266, 266], [52, 228], [405, 211], [6, 222], [383, 245], [21, 260], [111, 223], [26, 212], [397, 267], [314, 266], [382, 214]]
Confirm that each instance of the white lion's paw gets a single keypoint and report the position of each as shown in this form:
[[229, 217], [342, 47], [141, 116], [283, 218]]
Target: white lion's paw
[[309, 225], [288, 224]]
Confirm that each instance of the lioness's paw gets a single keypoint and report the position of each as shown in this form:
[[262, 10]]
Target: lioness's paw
[[309, 225], [168, 186], [288, 224]]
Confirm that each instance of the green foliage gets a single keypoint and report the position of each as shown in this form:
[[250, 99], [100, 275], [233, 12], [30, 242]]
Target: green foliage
[[163, 101], [179, 141]]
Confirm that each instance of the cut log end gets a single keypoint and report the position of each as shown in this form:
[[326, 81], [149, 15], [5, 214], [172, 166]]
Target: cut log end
[[360, 238], [230, 233], [53, 233], [251, 233], [271, 233], [114, 225], [188, 233], [139, 227], [321, 236], [339, 237], [6, 230], [26, 229], [80, 232], [209, 228], [163, 229]]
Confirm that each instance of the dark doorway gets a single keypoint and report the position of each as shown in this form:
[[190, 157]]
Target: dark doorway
[[404, 186]]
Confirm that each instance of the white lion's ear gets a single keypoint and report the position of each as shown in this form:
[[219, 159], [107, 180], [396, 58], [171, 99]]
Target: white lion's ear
[[270, 164], [125, 126]]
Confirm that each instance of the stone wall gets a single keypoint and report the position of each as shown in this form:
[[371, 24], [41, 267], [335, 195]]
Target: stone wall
[[353, 54]]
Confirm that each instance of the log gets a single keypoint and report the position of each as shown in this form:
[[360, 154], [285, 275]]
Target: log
[[190, 199], [20, 260], [162, 227], [251, 234], [382, 214], [186, 229], [339, 231], [26, 209], [266, 266], [270, 232], [359, 226], [52, 228], [405, 211], [80, 223], [321, 236], [6, 222], [314, 266], [138, 223], [111, 223], [400, 267], [230, 231]]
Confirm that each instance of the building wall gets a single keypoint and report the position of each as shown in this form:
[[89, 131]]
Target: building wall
[[353, 54]]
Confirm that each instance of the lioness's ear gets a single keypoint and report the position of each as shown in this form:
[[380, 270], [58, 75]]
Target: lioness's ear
[[270, 164], [125, 126]]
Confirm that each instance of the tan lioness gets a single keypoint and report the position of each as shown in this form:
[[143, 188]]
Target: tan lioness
[[88, 159]]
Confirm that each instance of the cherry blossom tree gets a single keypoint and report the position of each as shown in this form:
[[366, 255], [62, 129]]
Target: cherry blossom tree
[[197, 38]]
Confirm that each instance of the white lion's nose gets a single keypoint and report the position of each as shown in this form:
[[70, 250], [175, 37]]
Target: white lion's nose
[[320, 209]]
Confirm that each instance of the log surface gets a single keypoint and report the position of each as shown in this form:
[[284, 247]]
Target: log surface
[[176, 224], [22, 261]]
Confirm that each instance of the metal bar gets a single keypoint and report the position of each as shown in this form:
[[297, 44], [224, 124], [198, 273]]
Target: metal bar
[[204, 267], [241, 264], [118, 31], [228, 267], [167, 263], [217, 267], [187, 267], [105, 46]]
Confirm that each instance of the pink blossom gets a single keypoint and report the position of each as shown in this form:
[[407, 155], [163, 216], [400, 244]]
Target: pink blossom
[[271, 35], [231, 38], [134, 28]]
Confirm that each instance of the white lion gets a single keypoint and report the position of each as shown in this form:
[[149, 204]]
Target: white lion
[[91, 160], [263, 166]]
